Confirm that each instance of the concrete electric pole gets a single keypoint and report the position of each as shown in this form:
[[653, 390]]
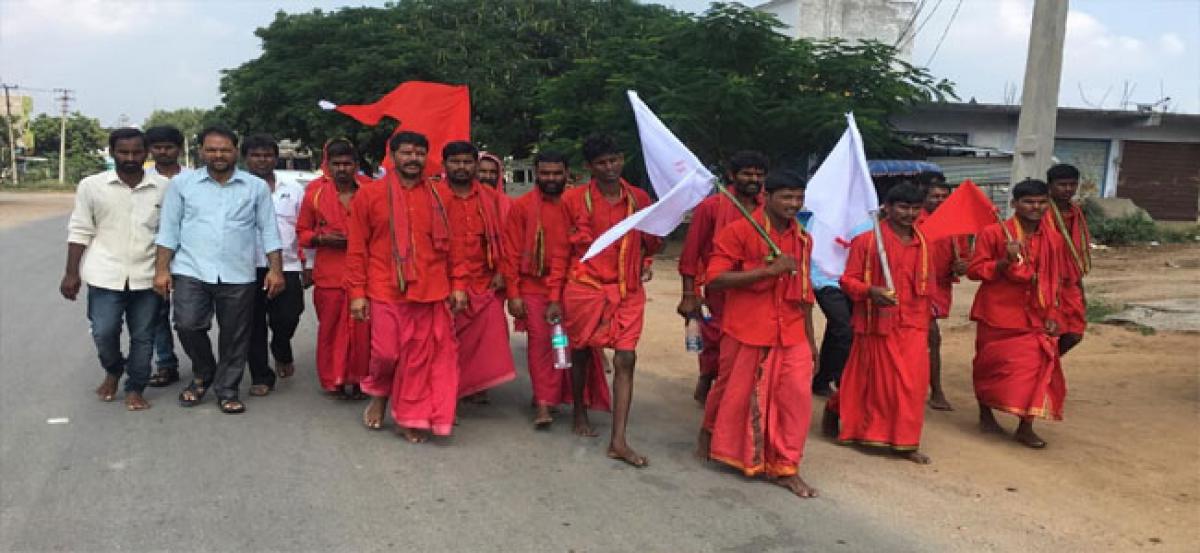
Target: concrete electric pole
[[65, 98], [12, 140], [1039, 100]]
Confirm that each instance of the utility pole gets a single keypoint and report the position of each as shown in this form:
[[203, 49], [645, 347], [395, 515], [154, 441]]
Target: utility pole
[[65, 98], [12, 141], [1039, 100]]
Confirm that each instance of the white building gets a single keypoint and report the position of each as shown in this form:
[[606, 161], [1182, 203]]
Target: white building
[[853, 20]]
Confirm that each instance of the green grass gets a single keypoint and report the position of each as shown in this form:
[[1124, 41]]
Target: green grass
[[39, 186]]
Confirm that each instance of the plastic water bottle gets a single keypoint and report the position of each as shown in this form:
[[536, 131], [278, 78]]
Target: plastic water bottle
[[558, 341], [691, 336]]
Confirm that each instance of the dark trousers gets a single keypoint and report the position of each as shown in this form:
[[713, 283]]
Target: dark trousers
[[164, 339], [106, 310], [835, 346], [195, 303], [281, 315]]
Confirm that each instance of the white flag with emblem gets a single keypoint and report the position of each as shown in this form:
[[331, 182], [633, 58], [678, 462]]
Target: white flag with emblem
[[679, 179], [842, 197]]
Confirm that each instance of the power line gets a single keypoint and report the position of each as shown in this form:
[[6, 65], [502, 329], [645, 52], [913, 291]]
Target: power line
[[914, 34], [944, 33], [908, 26]]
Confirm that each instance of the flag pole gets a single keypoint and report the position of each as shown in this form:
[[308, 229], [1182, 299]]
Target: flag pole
[[775, 251], [883, 259], [1007, 233]]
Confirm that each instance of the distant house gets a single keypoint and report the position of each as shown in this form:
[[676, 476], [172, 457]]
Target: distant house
[[1149, 157], [852, 20]]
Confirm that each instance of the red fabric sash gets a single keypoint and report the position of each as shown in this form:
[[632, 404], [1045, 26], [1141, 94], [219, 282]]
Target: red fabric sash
[[331, 214], [631, 263], [489, 211], [1041, 254], [402, 232], [533, 254]]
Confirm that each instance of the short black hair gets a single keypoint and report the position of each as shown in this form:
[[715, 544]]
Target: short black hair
[[219, 130], [782, 180], [408, 137], [164, 133], [1062, 171], [905, 193], [339, 147], [597, 145], [748, 159], [550, 156], [932, 178], [459, 147], [260, 141], [1030, 187], [124, 133]]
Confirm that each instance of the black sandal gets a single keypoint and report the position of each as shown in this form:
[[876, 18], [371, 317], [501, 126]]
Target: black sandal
[[163, 378], [231, 406], [197, 391]]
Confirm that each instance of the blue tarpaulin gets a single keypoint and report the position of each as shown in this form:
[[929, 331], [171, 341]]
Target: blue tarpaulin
[[900, 167]]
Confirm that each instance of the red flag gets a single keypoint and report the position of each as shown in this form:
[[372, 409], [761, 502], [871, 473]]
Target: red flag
[[966, 211], [440, 112]]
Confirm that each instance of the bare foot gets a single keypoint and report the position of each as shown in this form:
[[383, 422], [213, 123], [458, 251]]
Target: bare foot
[[703, 444], [987, 422], [108, 389], [413, 435], [542, 419], [135, 402], [584, 428], [703, 385], [285, 370], [627, 454], [917, 457], [797, 486], [830, 423], [937, 402], [373, 414], [1026, 436]]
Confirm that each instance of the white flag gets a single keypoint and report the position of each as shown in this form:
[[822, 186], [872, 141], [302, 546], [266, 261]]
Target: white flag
[[679, 179], [841, 197]]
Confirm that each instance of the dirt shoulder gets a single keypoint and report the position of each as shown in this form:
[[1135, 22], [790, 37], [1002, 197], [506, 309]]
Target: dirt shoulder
[[18, 208], [1121, 472]]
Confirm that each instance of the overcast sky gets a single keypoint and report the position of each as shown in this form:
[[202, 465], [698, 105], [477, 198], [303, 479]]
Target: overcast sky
[[129, 57]]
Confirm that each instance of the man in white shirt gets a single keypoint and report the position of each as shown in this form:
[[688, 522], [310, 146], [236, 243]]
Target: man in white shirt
[[114, 222], [281, 314], [165, 144]]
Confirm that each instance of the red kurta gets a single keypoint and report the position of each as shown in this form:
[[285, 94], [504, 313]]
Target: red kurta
[[708, 219], [758, 409], [881, 399], [398, 256], [1016, 366], [343, 344], [1076, 262], [484, 358], [534, 233], [603, 298]]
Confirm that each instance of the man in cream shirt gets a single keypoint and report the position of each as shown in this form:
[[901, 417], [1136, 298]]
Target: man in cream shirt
[[114, 223]]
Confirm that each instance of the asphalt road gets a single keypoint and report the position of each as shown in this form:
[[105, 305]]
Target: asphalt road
[[299, 473]]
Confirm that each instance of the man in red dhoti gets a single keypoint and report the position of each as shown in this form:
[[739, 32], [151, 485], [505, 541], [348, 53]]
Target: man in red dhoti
[[1068, 219], [484, 358], [881, 400], [398, 256], [747, 169], [602, 300], [768, 350], [1017, 367], [949, 257], [343, 344], [534, 234]]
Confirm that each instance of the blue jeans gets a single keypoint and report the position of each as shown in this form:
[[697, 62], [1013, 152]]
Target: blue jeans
[[138, 309], [164, 340]]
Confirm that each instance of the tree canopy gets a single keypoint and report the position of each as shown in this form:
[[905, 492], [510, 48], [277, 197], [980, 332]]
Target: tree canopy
[[85, 140], [545, 72]]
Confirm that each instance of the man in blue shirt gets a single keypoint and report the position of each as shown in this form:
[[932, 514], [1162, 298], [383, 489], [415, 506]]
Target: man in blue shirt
[[835, 305], [211, 222]]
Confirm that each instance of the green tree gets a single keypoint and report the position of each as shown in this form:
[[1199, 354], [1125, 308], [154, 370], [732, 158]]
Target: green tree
[[189, 121], [549, 72], [86, 141]]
